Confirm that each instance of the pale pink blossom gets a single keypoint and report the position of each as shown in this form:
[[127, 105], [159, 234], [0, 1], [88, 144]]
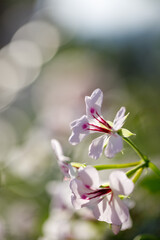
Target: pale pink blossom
[[93, 122], [103, 201], [57, 191], [63, 161]]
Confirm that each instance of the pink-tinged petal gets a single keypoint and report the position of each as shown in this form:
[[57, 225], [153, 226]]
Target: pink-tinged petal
[[96, 147], [120, 212], [82, 202], [116, 228], [72, 171], [127, 224], [64, 167], [119, 119], [79, 198], [102, 210], [118, 125], [82, 195], [120, 183], [62, 160], [58, 151], [79, 130], [111, 210], [120, 114], [90, 177], [115, 145], [94, 103]]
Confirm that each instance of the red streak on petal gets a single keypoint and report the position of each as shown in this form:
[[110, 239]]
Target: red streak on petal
[[99, 129], [98, 193], [111, 198], [100, 119], [104, 121]]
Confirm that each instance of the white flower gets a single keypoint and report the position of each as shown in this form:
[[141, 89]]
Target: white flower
[[93, 122]]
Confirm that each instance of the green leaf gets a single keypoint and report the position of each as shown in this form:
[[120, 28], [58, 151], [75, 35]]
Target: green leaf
[[127, 116], [125, 132]]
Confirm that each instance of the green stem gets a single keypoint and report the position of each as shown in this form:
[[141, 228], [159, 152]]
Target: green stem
[[77, 165], [112, 166], [132, 171], [142, 156], [137, 174], [154, 168], [134, 148]]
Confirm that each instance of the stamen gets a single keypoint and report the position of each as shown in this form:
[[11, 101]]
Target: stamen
[[98, 193], [99, 118], [99, 129], [104, 121]]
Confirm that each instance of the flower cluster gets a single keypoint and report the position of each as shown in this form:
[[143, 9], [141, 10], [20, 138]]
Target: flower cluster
[[105, 201]]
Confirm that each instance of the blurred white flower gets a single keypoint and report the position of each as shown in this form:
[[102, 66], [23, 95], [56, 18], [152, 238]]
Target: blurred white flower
[[57, 226], [83, 230], [61, 194], [60, 226], [30, 160]]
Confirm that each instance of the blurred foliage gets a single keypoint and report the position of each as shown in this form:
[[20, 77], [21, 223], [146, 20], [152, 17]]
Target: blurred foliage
[[145, 237]]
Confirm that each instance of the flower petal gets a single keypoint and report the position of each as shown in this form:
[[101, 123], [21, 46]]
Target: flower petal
[[119, 119], [111, 210], [120, 183], [64, 167], [115, 145], [127, 224], [96, 147], [119, 211], [72, 171], [102, 210], [90, 177], [94, 103], [58, 151], [78, 189], [116, 228], [79, 130]]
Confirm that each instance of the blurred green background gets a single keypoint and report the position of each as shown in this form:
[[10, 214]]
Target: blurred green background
[[53, 54]]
